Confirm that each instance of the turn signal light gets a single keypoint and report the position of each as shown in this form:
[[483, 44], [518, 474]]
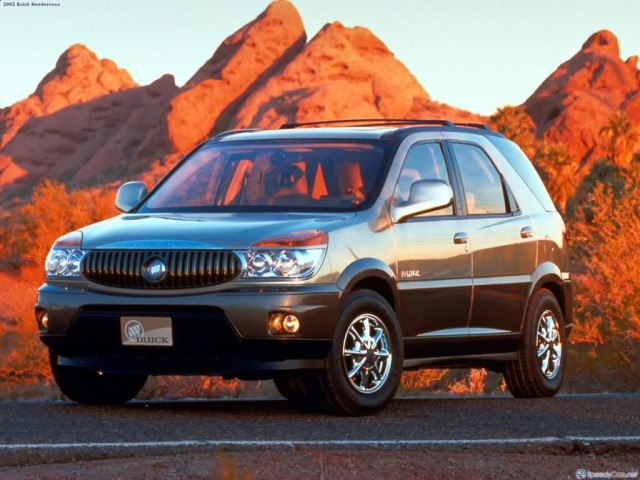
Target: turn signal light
[[283, 323], [306, 238], [72, 239]]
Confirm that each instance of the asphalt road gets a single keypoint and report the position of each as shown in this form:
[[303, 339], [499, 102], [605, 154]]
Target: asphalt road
[[34, 433]]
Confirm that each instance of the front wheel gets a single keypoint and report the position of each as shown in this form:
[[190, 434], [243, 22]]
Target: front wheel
[[364, 365], [292, 386], [87, 386], [539, 370]]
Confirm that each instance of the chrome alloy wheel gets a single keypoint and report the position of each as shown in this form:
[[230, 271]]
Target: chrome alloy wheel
[[366, 358], [549, 345]]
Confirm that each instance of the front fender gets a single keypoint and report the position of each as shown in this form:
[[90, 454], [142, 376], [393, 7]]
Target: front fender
[[372, 271]]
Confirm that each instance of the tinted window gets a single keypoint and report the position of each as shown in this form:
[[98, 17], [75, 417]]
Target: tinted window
[[527, 172], [272, 176], [423, 162], [480, 179]]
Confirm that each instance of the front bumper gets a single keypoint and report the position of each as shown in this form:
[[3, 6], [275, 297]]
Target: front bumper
[[220, 333]]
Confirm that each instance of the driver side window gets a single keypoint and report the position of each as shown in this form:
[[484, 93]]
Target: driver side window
[[423, 162]]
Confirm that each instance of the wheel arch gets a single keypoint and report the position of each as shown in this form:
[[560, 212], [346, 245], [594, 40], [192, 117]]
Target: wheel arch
[[370, 274], [548, 276]]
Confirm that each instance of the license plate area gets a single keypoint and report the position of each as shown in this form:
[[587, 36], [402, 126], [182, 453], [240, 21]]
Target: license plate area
[[141, 331]]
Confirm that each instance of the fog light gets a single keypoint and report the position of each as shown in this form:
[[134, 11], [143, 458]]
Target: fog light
[[45, 321], [283, 323], [290, 324]]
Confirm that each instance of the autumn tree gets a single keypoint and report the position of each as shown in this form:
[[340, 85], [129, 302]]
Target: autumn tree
[[622, 139], [558, 171], [606, 248], [52, 212], [516, 125]]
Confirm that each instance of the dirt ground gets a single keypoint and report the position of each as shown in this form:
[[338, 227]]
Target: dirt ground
[[311, 464]]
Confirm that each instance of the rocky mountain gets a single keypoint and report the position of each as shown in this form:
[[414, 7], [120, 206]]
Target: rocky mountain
[[342, 72], [241, 65], [79, 76], [573, 104], [89, 123]]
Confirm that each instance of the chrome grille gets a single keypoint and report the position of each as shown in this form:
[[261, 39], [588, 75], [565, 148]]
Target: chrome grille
[[185, 268]]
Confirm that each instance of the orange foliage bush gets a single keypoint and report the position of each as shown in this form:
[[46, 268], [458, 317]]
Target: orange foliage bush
[[419, 380], [53, 211], [606, 244], [24, 359], [472, 383]]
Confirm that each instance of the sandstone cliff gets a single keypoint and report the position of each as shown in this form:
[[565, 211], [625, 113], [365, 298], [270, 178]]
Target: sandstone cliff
[[573, 104]]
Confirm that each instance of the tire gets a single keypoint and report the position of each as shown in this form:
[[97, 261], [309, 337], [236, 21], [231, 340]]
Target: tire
[[539, 370], [89, 387], [380, 363], [292, 387]]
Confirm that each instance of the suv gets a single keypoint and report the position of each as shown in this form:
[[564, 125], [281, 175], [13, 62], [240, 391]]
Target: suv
[[328, 259]]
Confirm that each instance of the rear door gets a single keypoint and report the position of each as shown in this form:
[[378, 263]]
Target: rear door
[[503, 243]]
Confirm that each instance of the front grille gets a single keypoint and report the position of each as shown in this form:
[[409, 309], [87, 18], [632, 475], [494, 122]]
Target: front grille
[[184, 268]]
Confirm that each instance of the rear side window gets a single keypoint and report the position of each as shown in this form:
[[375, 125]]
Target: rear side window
[[525, 169], [482, 183]]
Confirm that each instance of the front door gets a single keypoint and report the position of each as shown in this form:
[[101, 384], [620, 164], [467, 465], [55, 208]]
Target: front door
[[433, 262]]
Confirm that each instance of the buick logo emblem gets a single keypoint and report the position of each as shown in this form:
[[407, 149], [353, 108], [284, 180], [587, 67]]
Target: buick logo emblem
[[133, 329], [154, 270]]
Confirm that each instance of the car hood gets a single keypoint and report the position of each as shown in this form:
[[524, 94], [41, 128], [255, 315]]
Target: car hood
[[196, 231]]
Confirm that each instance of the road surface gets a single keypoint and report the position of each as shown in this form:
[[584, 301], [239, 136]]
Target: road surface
[[434, 437]]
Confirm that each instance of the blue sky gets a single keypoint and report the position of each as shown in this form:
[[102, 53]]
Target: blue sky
[[478, 55]]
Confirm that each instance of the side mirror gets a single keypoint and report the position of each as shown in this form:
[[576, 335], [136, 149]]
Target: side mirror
[[424, 196], [129, 195]]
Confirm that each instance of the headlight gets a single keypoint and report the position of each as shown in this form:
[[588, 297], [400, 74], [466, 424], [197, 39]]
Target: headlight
[[296, 255], [64, 262], [65, 256], [281, 263]]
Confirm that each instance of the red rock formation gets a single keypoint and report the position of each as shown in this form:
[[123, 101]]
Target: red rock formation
[[342, 72], [241, 63], [577, 100], [111, 137], [9, 171], [87, 123], [79, 76]]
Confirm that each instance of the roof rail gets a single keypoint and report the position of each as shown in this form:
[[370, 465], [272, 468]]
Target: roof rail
[[371, 122], [232, 132], [481, 126]]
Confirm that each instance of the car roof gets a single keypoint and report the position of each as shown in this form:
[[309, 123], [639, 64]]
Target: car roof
[[371, 129]]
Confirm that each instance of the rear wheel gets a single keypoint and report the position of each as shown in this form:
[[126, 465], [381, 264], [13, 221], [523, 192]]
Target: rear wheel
[[87, 386], [364, 365], [539, 369]]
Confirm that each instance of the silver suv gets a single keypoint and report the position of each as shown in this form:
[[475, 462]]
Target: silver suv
[[328, 259]]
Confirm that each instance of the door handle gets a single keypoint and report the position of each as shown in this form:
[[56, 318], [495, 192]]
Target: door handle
[[461, 237], [526, 232]]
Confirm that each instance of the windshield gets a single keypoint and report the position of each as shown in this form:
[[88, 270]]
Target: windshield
[[284, 176]]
